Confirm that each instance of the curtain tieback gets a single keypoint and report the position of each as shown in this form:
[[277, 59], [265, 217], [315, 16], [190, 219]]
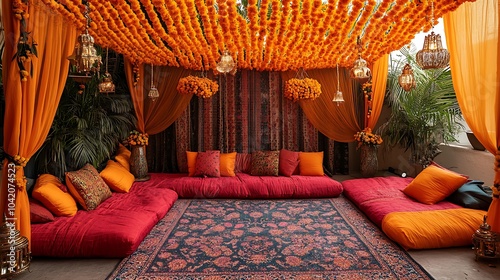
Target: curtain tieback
[[17, 159]]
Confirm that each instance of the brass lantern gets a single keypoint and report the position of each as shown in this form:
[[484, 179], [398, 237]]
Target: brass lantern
[[338, 98], [406, 79], [486, 242], [15, 256], [153, 93], [226, 64], [106, 85], [360, 70]]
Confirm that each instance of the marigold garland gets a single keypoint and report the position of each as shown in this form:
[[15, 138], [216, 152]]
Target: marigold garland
[[366, 137], [299, 89], [137, 138], [199, 86]]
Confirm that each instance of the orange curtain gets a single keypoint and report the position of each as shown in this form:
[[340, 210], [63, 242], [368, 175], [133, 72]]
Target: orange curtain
[[379, 83], [30, 106], [156, 116], [339, 122], [472, 38]]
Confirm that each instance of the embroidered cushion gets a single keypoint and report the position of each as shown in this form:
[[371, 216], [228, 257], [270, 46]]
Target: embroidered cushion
[[49, 191], [207, 164], [289, 161], [117, 177], [87, 187], [265, 163]]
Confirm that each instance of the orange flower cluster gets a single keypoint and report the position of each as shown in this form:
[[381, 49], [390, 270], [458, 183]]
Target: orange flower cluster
[[366, 137], [272, 35], [26, 46], [21, 161], [137, 138], [367, 92], [298, 89], [199, 86]]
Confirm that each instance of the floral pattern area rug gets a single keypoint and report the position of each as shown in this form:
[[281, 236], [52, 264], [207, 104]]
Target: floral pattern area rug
[[267, 239]]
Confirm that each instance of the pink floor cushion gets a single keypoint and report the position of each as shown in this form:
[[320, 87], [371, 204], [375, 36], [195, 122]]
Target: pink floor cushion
[[379, 196], [113, 230]]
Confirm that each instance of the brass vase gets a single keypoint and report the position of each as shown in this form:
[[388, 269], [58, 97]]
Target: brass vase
[[369, 161], [139, 163]]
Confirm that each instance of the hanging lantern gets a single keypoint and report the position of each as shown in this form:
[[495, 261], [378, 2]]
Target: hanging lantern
[[360, 70], [106, 85], [486, 242], [433, 55], [406, 79], [226, 64], [338, 98], [84, 59], [153, 91]]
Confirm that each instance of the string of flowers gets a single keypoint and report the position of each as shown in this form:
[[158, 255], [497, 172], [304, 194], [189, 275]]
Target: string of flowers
[[367, 92], [298, 89], [26, 46], [137, 138], [366, 137], [199, 86]]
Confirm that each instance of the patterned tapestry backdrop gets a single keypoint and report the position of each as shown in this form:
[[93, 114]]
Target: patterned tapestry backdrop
[[248, 113]]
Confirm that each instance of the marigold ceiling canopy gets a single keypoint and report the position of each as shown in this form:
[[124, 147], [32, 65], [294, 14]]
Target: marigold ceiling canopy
[[275, 35]]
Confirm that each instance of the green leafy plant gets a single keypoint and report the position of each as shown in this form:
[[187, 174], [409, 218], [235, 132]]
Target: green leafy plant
[[424, 117], [86, 129]]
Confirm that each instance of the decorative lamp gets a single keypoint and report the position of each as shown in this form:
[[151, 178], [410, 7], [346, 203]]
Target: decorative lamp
[[84, 59], [406, 79], [486, 243], [338, 98], [433, 55], [153, 92], [15, 256], [107, 84], [360, 70], [226, 64]]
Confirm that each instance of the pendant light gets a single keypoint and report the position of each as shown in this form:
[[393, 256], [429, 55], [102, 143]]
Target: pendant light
[[338, 98], [360, 70], [433, 55], [153, 92], [226, 64], [107, 85], [406, 80]]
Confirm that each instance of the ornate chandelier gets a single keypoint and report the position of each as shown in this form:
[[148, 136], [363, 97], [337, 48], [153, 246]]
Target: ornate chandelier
[[433, 55], [406, 79], [153, 92], [84, 58], [226, 64], [360, 70], [338, 98], [107, 84]]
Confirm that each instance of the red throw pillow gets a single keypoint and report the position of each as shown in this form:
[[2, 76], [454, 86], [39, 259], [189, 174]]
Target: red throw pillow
[[289, 161], [207, 164], [243, 163], [39, 214]]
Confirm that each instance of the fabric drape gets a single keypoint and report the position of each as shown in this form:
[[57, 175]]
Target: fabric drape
[[340, 122], [155, 116], [30, 106], [472, 38]]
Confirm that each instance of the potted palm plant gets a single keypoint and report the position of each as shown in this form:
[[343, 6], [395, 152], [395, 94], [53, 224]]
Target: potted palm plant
[[423, 117]]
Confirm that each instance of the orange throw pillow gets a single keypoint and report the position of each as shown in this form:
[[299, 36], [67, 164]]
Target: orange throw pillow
[[191, 160], [48, 191], [434, 184], [117, 177], [227, 163], [123, 156], [311, 164]]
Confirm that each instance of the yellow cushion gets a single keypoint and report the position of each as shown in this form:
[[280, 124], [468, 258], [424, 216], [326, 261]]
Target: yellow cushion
[[48, 191], [311, 163], [117, 177], [434, 184], [227, 163], [123, 156], [191, 161], [433, 229]]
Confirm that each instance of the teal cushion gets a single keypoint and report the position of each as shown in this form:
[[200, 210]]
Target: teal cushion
[[472, 195]]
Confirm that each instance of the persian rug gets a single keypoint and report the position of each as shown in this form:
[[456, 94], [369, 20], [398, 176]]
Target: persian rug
[[267, 239]]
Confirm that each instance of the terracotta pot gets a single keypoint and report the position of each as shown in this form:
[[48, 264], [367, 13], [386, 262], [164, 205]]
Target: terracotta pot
[[139, 163], [368, 161]]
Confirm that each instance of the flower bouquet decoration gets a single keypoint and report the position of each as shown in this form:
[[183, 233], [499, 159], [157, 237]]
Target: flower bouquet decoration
[[137, 138], [299, 89], [199, 86], [366, 137]]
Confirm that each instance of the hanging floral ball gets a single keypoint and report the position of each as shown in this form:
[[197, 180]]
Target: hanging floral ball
[[299, 89], [199, 86]]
